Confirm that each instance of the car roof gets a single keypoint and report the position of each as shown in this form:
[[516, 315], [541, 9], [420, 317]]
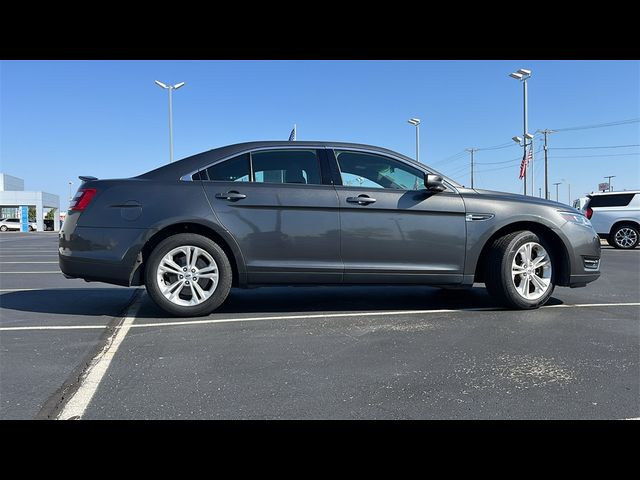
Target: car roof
[[190, 164], [619, 192]]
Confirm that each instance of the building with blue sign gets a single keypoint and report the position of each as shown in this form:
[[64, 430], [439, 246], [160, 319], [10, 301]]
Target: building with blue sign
[[15, 202]]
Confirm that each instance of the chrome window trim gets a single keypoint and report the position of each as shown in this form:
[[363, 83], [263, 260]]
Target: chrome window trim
[[187, 177]]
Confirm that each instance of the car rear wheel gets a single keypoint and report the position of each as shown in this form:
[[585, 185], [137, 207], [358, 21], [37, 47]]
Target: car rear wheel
[[188, 275], [520, 270], [3, 228], [624, 236], [30, 228]]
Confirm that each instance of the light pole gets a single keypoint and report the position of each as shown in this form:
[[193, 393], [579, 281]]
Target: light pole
[[416, 123], [556, 184], [170, 88], [609, 177], [524, 75]]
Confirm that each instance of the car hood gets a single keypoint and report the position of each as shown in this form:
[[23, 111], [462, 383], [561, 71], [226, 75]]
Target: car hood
[[514, 197]]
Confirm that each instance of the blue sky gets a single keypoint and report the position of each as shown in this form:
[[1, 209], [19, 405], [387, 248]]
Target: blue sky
[[61, 119]]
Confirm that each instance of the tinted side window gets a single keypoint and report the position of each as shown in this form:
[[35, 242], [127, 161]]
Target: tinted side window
[[621, 200], [360, 169], [286, 166], [235, 169]]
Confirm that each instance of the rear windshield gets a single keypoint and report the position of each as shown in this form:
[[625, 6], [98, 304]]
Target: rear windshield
[[620, 200]]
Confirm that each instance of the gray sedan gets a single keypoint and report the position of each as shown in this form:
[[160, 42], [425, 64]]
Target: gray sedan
[[289, 213]]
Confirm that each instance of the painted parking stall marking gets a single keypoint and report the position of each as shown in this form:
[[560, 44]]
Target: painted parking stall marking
[[302, 317]]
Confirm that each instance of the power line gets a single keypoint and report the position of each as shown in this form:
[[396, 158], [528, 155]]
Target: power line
[[498, 147], [599, 125], [588, 148], [587, 156]]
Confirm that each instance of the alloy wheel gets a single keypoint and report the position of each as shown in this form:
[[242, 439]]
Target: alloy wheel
[[187, 275], [626, 237], [531, 271]]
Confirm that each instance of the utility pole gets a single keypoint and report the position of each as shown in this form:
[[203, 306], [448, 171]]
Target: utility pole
[[546, 161], [609, 177], [569, 187], [540, 192], [471, 150], [556, 184]]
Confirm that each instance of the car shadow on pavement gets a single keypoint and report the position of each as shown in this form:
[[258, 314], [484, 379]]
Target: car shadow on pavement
[[72, 301], [112, 301], [289, 300]]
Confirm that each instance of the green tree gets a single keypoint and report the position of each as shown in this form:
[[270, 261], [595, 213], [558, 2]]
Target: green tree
[[32, 214], [51, 214]]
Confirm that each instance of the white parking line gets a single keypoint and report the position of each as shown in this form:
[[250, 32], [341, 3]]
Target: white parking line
[[18, 289], [9, 263], [77, 404], [310, 316], [49, 271]]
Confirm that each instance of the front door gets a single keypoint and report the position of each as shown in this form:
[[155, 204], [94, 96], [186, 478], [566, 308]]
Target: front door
[[393, 229], [282, 214]]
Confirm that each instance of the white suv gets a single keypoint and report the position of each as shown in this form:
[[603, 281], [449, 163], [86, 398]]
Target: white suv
[[615, 216], [14, 224]]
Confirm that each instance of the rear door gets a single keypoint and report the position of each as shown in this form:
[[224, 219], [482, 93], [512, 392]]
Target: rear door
[[393, 229], [282, 209]]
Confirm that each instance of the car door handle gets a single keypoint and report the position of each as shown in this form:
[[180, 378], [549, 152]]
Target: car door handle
[[361, 200], [231, 195]]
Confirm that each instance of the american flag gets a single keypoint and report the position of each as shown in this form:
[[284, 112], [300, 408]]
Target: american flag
[[292, 135], [525, 162]]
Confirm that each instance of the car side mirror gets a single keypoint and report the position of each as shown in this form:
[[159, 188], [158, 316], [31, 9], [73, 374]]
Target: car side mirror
[[434, 183]]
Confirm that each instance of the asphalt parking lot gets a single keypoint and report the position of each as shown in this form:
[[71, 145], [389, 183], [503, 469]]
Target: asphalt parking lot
[[313, 353]]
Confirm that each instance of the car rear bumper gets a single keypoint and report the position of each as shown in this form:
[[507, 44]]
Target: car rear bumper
[[108, 255]]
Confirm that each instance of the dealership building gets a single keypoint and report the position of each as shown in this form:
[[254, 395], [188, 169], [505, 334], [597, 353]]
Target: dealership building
[[13, 197]]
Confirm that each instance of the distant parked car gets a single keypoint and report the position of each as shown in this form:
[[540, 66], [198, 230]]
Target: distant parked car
[[14, 224], [580, 203], [308, 213], [616, 217]]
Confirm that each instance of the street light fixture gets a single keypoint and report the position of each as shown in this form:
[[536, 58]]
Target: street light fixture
[[416, 123], [170, 88], [523, 75]]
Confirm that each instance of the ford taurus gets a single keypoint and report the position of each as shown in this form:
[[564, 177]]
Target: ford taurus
[[285, 213]]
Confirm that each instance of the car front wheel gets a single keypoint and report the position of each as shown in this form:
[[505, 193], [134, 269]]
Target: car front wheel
[[520, 270], [624, 236], [3, 228], [188, 275]]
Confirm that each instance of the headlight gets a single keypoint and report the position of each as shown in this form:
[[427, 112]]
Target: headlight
[[576, 218]]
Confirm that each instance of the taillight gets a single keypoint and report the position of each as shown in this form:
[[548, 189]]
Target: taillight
[[589, 213], [81, 199]]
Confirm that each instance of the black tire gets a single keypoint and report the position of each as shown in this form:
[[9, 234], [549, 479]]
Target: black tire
[[3, 228], [617, 235], [225, 274], [498, 279], [30, 228]]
